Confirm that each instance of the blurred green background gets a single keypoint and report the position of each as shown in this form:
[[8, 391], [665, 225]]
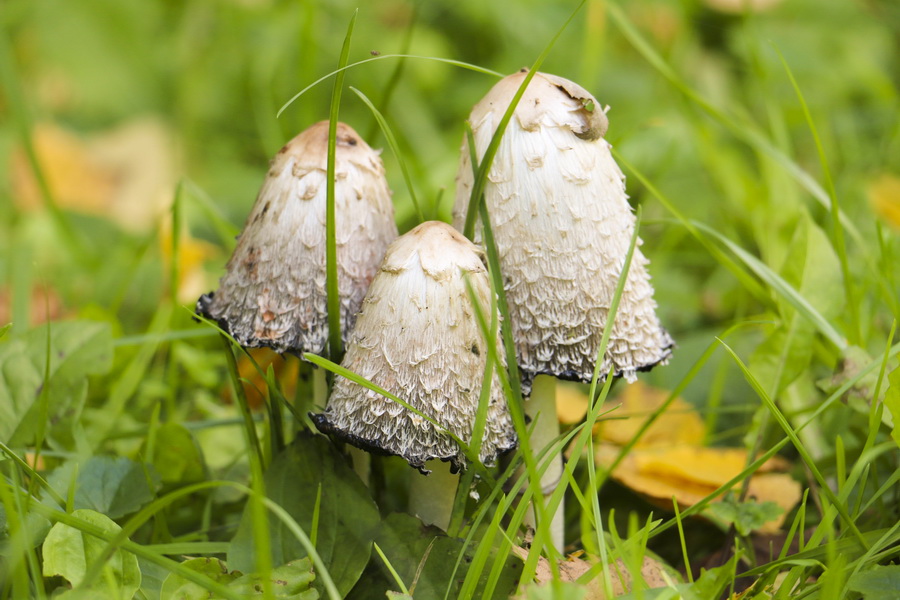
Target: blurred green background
[[113, 103]]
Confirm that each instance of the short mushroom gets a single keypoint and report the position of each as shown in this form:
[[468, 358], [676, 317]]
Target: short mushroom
[[418, 338], [273, 292], [562, 225]]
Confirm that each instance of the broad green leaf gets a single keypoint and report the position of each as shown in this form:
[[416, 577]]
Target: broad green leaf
[[67, 553], [77, 349], [746, 516], [892, 402], [813, 269], [176, 587], [112, 486], [37, 527], [292, 581], [415, 550], [176, 455], [877, 583], [4, 329], [347, 519]]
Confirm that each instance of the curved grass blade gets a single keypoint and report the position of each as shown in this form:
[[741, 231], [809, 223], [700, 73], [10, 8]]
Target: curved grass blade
[[395, 148], [782, 287], [447, 61]]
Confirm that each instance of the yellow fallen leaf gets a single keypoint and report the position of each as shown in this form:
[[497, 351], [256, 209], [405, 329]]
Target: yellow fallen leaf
[[708, 466], [571, 403], [680, 424], [884, 197], [690, 474]]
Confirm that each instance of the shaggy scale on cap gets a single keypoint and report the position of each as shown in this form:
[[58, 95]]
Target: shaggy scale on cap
[[562, 225], [273, 293], [417, 337]]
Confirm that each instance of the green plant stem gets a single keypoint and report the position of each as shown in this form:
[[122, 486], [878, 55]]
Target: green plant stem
[[335, 343], [541, 409]]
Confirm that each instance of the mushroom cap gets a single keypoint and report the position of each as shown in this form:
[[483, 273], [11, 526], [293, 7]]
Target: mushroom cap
[[562, 225], [417, 337], [273, 292]]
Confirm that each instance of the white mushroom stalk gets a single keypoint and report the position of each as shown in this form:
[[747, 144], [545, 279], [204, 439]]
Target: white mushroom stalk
[[562, 225], [418, 338], [273, 293]]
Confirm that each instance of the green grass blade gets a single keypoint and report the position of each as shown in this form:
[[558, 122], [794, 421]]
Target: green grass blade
[[782, 287], [391, 569], [840, 245], [335, 342], [446, 61], [795, 440], [395, 148]]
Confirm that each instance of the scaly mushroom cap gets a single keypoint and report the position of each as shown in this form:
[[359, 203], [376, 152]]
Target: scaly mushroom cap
[[273, 293], [562, 225], [417, 337]]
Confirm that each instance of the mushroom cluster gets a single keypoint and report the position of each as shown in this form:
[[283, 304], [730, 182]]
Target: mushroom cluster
[[417, 337], [273, 293]]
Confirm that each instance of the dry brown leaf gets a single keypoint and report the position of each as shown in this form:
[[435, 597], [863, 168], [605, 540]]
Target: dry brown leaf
[[884, 196], [680, 424], [652, 572], [45, 305]]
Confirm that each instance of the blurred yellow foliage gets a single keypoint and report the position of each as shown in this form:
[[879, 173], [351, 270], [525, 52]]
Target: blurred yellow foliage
[[884, 196], [126, 173]]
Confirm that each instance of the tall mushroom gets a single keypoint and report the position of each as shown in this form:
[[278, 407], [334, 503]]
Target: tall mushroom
[[273, 292], [417, 337], [562, 225]]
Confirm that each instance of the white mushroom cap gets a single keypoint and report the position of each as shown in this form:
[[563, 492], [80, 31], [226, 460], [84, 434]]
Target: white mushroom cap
[[562, 225], [417, 337], [273, 293]]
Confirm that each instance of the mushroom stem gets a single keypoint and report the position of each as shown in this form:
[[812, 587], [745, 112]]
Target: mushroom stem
[[541, 409], [431, 496]]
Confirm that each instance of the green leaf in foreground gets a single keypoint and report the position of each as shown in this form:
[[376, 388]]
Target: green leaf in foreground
[[347, 516], [112, 486], [77, 349], [425, 557], [745, 516], [176, 455], [67, 553], [878, 583], [292, 581]]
